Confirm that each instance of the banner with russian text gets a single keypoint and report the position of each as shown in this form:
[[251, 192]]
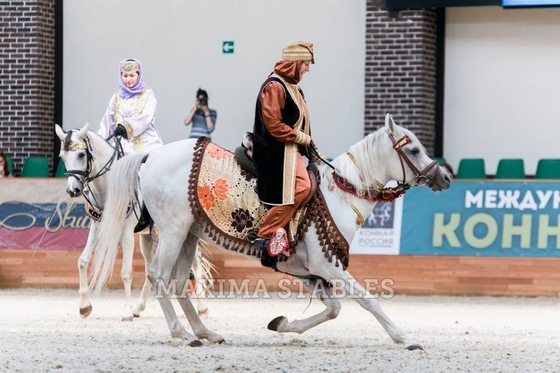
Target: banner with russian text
[[491, 218]]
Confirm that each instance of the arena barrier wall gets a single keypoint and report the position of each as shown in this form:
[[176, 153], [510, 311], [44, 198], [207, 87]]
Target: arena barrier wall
[[477, 238]]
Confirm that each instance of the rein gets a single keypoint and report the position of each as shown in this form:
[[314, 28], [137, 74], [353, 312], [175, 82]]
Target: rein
[[321, 157], [83, 176]]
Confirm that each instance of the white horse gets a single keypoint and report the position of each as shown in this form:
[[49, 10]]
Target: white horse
[[88, 159], [349, 194]]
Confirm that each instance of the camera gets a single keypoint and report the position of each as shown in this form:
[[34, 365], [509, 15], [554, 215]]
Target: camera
[[203, 101]]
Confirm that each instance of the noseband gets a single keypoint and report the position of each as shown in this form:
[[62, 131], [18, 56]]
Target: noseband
[[421, 175]]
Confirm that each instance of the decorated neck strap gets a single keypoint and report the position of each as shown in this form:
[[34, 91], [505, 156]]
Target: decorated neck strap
[[378, 193]]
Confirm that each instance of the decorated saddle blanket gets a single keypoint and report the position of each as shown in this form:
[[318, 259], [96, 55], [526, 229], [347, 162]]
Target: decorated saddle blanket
[[226, 193], [224, 200]]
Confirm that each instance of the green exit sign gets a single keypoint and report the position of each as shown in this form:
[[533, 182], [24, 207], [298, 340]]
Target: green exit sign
[[228, 47]]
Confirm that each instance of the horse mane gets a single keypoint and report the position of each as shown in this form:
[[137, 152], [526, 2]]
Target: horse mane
[[92, 138], [364, 174]]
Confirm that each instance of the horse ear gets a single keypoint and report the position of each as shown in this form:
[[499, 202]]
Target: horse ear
[[59, 132], [82, 132], [390, 123]]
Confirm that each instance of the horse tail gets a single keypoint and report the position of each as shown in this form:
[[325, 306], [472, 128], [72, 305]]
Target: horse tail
[[122, 183], [203, 267]]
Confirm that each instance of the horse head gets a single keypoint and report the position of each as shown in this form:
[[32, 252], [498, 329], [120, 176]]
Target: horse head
[[76, 155], [413, 166], [390, 153]]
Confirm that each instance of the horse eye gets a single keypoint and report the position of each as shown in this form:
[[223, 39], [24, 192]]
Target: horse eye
[[82, 155], [415, 151]]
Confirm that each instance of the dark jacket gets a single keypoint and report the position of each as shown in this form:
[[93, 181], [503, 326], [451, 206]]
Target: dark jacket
[[269, 153]]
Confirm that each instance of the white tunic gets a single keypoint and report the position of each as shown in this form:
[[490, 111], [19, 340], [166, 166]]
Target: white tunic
[[137, 115]]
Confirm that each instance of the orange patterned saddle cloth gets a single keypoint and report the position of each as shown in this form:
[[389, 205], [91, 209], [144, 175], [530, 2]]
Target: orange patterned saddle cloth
[[224, 201], [226, 194]]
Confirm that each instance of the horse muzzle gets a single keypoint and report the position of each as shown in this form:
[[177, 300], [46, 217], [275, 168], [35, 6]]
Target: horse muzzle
[[437, 179], [74, 188], [74, 192]]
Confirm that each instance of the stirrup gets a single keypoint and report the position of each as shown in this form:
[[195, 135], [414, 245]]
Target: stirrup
[[260, 243], [279, 243]]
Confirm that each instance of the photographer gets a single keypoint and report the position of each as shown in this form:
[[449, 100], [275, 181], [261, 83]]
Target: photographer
[[203, 118]]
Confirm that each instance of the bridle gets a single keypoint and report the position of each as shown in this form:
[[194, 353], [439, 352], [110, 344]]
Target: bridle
[[83, 176], [421, 175], [379, 192]]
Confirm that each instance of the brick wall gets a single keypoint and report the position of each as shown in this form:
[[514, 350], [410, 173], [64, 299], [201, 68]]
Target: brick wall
[[400, 70], [27, 65]]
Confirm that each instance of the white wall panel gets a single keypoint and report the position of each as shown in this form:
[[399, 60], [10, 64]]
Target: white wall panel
[[179, 43], [502, 85]]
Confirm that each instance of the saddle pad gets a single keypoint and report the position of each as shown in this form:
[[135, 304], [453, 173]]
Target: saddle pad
[[224, 201], [223, 198]]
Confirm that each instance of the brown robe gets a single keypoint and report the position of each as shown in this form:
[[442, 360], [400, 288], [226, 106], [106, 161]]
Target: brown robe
[[280, 129]]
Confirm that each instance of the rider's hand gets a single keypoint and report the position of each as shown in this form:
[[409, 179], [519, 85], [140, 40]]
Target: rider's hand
[[120, 131]]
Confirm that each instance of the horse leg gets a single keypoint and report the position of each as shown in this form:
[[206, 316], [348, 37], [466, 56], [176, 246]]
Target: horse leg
[[146, 248], [160, 274], [325, 295], [83, 261], [127, 244], [200, 286], [343, 280], [182, 271]]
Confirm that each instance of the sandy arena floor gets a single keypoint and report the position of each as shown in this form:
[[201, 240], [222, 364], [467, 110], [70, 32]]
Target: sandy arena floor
[[41, 331]]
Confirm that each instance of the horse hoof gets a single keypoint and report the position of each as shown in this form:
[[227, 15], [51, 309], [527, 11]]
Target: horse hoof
[[86, 311], [273, 325], [127, 318], [414, 347], [213, 338], [195, 343]]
